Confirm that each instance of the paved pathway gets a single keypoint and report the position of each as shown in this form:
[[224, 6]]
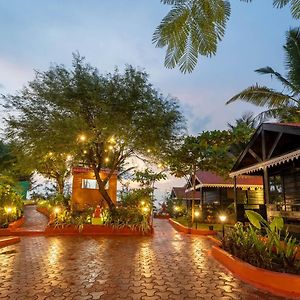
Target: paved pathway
[[169, 265], [34, 221]]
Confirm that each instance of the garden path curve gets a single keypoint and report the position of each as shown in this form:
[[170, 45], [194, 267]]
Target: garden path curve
[[168, 265]]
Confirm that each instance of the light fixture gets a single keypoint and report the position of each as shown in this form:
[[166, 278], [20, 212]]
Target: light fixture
[[145, 209], [8, 209], [82, 137], [142, 202], [222, 218], [176, 208], [106, 159], [84, 151], [197, 214], [56, 210], [148, 150]]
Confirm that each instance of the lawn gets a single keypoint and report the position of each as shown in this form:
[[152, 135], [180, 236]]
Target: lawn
[[203, 226]]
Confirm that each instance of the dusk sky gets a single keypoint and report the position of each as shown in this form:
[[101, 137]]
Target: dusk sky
[[112, 33]]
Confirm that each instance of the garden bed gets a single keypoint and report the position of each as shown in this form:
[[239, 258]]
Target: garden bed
[[282, 284], [12, 227], [179, 227]]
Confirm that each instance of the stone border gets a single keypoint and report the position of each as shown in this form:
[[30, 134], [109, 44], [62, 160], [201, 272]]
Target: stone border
[[89, 229], [281, 284], [179, 227], [12, 227], [9, 241]]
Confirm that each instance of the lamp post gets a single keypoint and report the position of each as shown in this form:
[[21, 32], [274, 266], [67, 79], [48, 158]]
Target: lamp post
[[196, 215], [223, 219]]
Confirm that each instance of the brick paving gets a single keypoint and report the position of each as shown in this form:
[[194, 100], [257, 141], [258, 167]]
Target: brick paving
[[168, 265], [34, 220]]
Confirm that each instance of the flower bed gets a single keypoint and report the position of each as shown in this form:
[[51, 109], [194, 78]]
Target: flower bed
[[179, 227], [282, 284]]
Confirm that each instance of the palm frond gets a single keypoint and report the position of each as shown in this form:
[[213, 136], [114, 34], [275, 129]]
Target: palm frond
[[263, 96], [190, 29], [284, 81], [292, 57]]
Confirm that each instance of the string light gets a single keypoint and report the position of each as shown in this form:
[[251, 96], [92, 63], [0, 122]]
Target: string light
[[107, 159], [82, 137]]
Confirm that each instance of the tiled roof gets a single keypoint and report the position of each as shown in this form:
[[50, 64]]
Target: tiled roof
[[210, 178], [180, 193]]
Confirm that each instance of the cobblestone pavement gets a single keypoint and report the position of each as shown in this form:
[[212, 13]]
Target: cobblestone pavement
[[169, 265], [33, 219]]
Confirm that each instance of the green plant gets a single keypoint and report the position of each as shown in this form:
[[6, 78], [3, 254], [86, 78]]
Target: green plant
[[131, 217], [261, 244]]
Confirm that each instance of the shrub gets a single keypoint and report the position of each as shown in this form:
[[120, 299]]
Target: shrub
[[11, 205], [263, 244], [131, 217]]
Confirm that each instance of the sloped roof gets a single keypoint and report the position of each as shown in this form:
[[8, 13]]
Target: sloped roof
[[281, 142], [181, 194], [207, 178]]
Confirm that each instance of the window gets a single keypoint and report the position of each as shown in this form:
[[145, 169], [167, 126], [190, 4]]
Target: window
[[92, 184]]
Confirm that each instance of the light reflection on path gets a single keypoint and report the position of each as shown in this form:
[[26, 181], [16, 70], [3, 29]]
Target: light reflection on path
[[168, 265]]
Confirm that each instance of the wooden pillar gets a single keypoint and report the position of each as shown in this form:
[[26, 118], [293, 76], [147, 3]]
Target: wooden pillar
[[235, 198]]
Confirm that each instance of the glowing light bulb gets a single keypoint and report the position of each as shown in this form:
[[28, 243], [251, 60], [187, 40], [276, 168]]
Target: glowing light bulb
[[82, 137]]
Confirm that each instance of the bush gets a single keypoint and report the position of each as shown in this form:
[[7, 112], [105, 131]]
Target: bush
[[131, 217], [11, 205], [263, 244]]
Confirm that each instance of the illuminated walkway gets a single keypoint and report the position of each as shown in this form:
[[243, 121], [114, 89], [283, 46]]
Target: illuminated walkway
[[167, 266]]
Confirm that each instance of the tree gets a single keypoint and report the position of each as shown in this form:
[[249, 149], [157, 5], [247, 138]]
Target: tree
[[102, 119], [194, 27], [284, 105], [242, 130]]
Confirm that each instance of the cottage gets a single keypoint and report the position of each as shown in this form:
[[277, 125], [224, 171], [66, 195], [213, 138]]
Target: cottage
[[215, 193], [274, 153]]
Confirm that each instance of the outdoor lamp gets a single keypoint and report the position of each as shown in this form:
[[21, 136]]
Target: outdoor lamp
[[145, 209], [56, 210], [223, 219], [8, 209], [197, 215]]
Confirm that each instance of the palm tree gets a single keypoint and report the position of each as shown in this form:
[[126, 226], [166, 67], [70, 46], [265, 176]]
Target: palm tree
[[194, 27], [283, 105]]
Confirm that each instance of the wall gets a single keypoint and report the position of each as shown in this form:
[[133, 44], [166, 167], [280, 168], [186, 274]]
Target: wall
[[83, 198]]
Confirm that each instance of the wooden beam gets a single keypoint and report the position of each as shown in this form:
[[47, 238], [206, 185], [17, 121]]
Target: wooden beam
[[254, 155], [275, 144]]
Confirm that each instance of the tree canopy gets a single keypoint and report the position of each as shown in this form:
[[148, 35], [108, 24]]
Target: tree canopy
[[194, 27], [100, 120], [283, 105]]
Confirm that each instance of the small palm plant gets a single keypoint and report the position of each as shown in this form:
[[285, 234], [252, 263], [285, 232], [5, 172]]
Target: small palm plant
[[283, 105]]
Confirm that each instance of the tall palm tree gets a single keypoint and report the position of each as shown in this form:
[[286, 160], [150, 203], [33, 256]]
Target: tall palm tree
[[194, 27], [283, 105]]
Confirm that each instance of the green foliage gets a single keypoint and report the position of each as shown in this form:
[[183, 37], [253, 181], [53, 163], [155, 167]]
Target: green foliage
[[11, 205], [135, 197], [130, 217], [194, 27], [268, 250], [103, 119], [209, 151], [285, 104]]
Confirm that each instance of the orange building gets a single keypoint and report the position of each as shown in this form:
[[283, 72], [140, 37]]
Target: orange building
[[85, 191]]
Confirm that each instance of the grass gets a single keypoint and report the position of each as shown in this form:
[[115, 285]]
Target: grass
[[200, 226]]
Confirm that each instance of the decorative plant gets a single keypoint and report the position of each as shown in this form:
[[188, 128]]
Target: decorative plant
[[261, 244]]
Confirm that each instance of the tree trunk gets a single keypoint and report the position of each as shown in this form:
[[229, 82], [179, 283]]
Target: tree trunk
[[102, 190]]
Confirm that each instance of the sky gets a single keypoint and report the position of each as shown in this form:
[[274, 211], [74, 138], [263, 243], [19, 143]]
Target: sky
[[112, 33]]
